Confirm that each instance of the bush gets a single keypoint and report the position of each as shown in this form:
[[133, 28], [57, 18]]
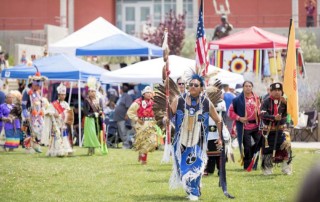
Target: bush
[[317, 102], [311, 52], [189, 44]]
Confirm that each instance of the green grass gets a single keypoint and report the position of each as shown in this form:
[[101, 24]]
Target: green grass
[[119, 177]]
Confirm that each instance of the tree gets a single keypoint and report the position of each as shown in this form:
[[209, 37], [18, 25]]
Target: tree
[[176, 27]]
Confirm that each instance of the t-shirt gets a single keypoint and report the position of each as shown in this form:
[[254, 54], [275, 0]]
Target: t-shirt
[[228, 97], [2, 97], [122, 106]]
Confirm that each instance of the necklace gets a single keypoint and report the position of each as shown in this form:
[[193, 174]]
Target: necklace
[[193, 101]]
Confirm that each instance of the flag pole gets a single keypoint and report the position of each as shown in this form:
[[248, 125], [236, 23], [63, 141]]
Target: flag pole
[[167, 147], [290, 82]]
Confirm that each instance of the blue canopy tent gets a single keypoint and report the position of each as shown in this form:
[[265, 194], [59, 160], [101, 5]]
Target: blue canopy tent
[[58, 67], [121, 45]]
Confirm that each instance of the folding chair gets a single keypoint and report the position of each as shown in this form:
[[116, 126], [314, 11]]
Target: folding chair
[[113, 135], [311, 133], [307, 133]]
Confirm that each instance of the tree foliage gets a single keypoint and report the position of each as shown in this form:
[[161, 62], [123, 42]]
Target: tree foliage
[[176, 32]]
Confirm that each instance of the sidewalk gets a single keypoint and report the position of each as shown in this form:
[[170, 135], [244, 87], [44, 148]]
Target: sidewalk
[[307, 145]]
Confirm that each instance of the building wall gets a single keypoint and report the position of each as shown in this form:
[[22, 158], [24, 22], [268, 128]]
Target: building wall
[[85, 11], [259, 13], [28, 14], [34, 14]]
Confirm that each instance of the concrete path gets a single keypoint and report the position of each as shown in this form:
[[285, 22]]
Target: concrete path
[[307, 145]]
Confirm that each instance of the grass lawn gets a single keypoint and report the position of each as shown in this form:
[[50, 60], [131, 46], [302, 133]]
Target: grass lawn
[[119, 177]]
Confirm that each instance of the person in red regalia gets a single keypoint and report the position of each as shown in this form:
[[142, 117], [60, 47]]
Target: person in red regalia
[[141, 113]]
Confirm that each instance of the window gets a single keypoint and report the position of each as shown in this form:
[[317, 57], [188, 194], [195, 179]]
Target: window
[[132, 15]]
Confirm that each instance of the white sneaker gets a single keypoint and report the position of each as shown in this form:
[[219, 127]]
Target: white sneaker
[[193, 197], [287, 171], [267, 172]]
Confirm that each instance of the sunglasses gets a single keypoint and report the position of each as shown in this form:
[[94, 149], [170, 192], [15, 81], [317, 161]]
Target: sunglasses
[[194, 85], [181, 84]]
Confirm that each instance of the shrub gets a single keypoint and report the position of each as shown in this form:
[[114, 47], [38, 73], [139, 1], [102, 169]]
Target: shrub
[[311, 52], [317, 102]]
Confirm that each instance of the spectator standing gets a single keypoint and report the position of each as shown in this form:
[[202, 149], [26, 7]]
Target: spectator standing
[[227, 96], [2, 61], [223, 29], [120, 115], [181, 85], [310, 6], [23, 59]]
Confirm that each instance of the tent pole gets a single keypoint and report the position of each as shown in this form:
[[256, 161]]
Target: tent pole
[[275, 62], [70, 93], [119, 88], [79, 112]]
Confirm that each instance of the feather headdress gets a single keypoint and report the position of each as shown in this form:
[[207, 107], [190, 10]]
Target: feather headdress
[[37, 77], [191, 74], [62, 89]]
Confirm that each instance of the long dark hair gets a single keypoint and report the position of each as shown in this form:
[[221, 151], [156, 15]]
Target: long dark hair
[[244, 83]]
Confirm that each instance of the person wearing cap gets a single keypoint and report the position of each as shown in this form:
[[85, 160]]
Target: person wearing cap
[[276, 146], [223, 29], [245, 110], [141, 113], [32, 112]]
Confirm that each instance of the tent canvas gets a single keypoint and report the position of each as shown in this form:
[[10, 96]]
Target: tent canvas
[[121, 45], [92, 32], [150, 71], [57, 67], [251, 38]]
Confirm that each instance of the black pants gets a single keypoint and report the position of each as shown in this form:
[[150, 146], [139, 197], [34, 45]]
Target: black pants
[[213, 161], [271, 142], [310, 21], [249, 147]]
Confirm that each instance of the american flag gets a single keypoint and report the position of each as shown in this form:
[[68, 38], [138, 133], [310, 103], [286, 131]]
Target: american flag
[[202, 59]]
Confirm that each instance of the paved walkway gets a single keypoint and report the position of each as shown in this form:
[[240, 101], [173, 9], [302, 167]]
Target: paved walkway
[[308, 145]]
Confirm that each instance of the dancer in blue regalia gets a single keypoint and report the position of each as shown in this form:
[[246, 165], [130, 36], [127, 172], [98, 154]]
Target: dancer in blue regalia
[[192, 111]]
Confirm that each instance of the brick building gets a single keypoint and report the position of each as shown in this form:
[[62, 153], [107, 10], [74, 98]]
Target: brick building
[[129, 15]]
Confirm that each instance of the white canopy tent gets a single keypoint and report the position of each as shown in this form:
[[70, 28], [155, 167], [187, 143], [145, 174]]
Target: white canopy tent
[[150, 71], [92, 32]]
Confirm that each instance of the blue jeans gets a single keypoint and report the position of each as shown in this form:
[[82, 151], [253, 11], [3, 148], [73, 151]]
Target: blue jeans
[[123, 133]]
